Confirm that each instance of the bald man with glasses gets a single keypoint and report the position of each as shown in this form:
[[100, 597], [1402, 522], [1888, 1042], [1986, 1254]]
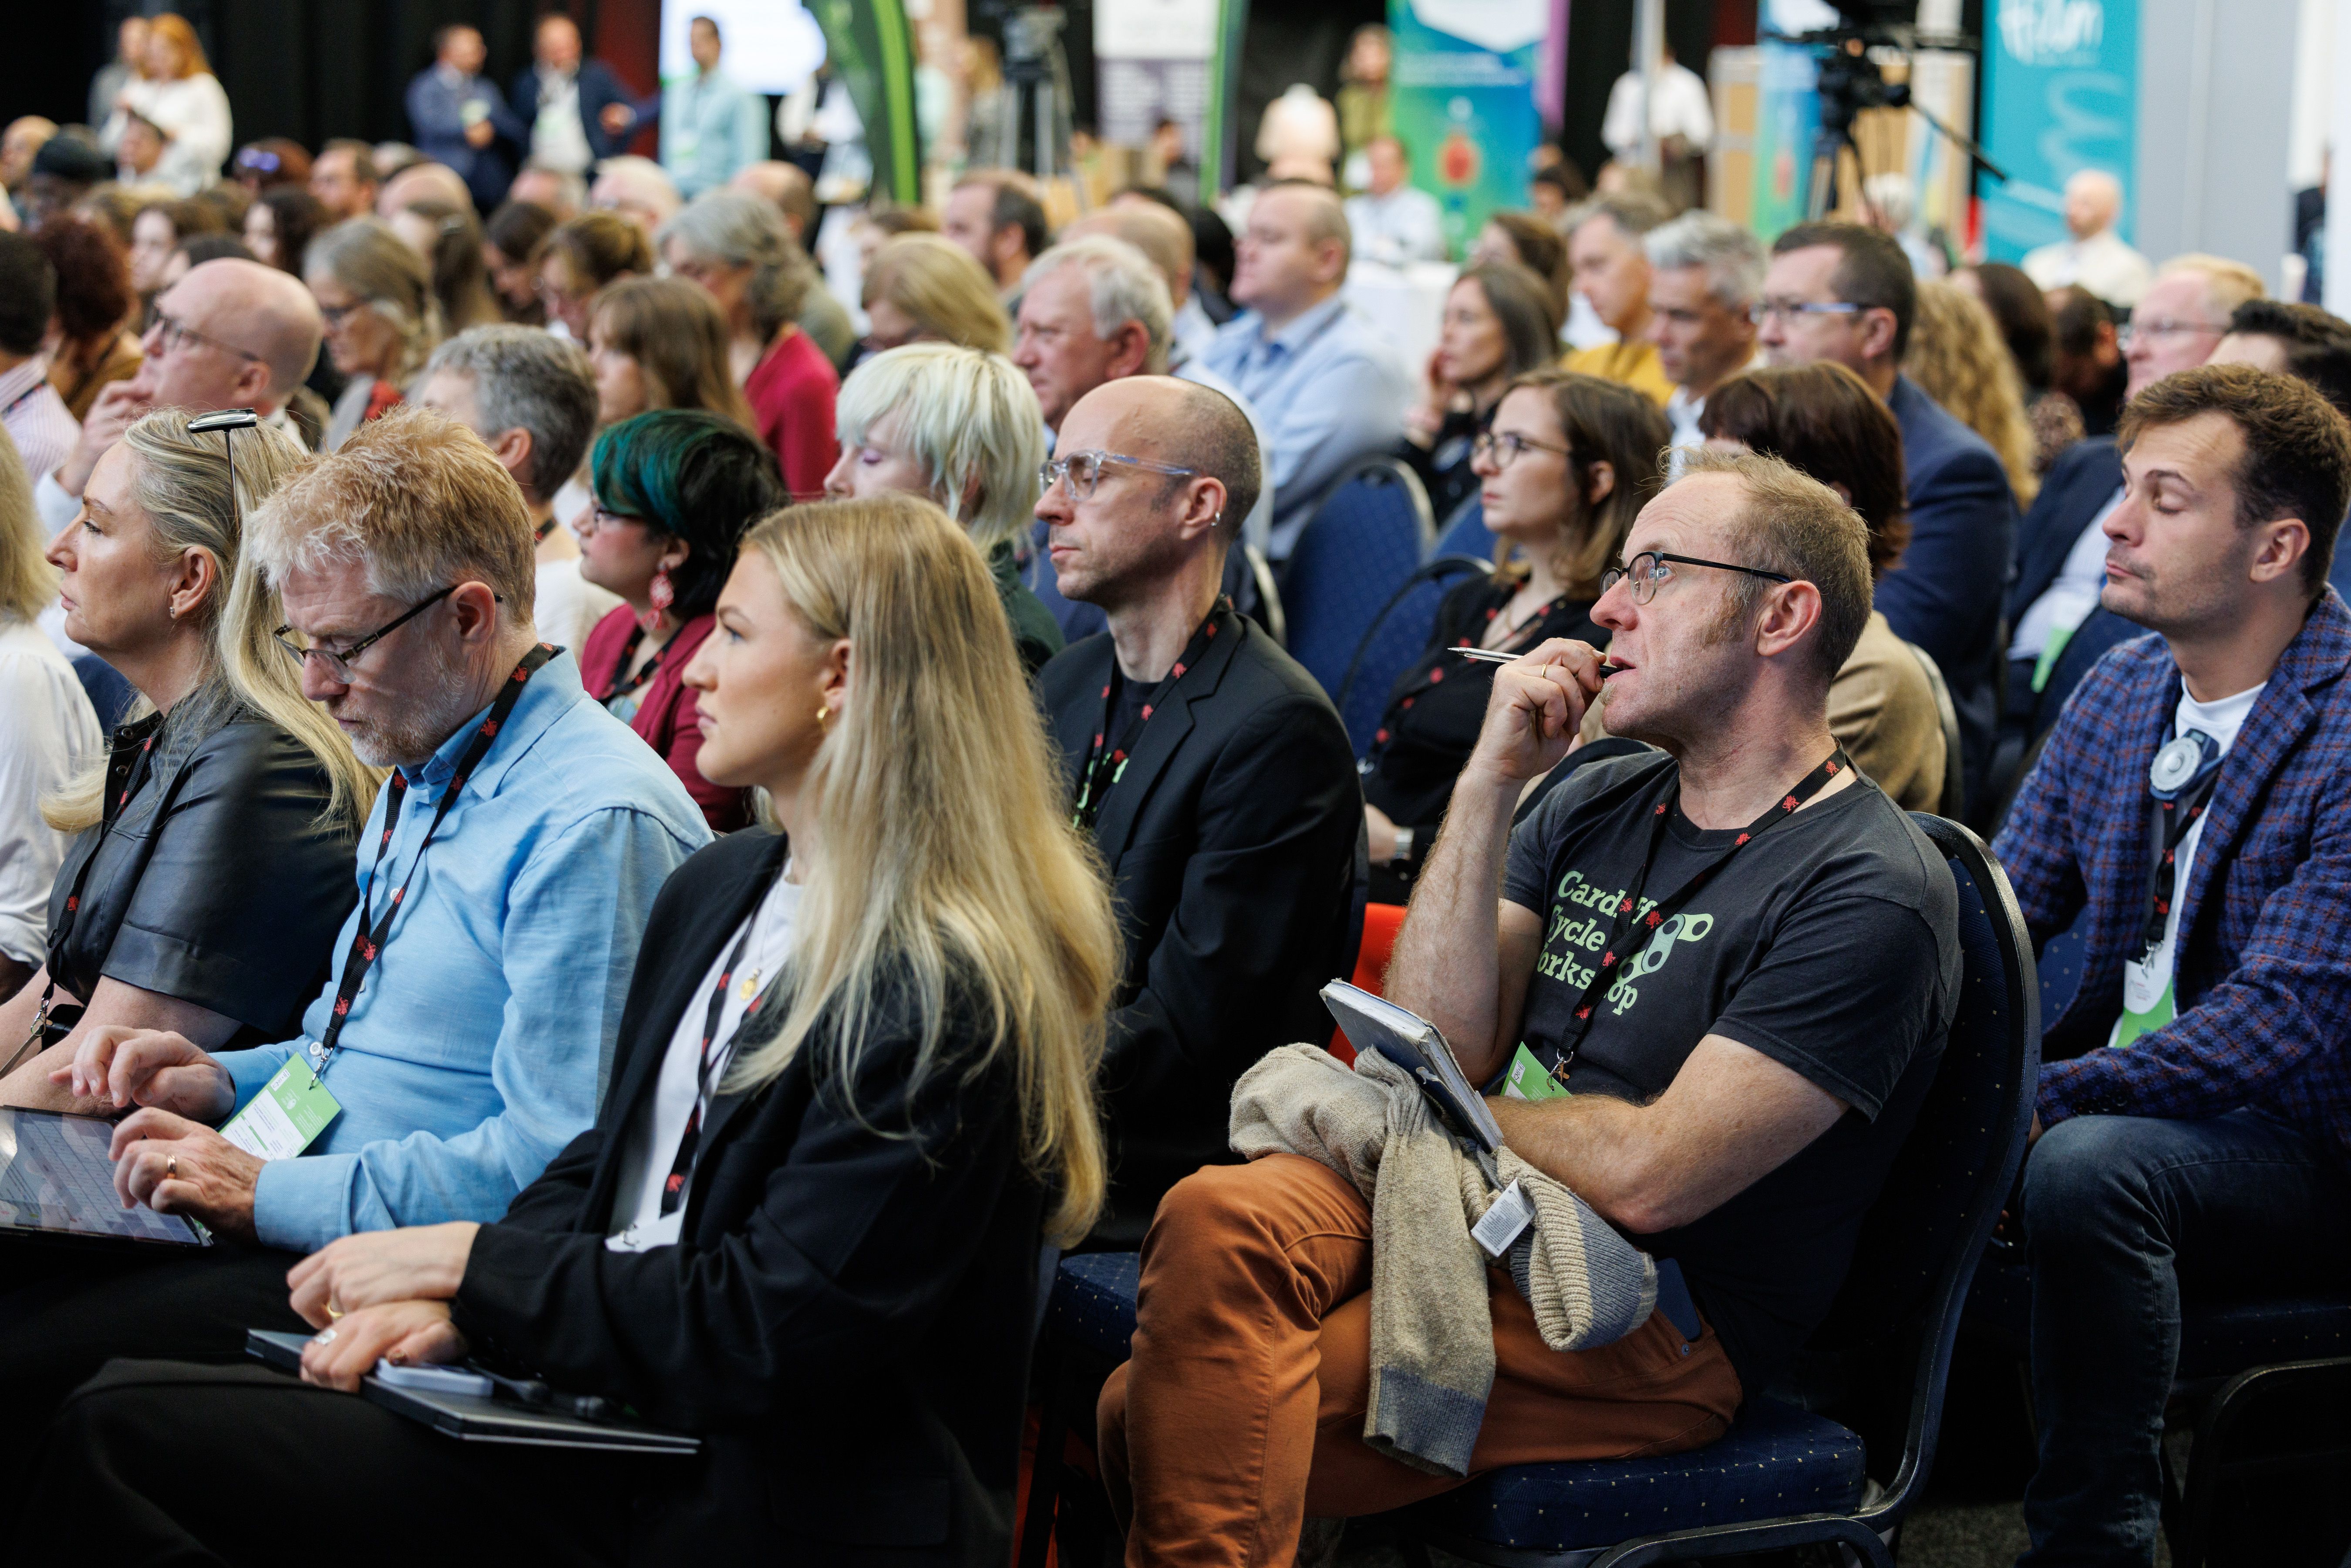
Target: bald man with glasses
[[230, 334], [1211, 770]]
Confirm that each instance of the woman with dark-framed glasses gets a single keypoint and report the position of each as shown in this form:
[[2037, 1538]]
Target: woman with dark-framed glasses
[[211, 862], [1563, 467]]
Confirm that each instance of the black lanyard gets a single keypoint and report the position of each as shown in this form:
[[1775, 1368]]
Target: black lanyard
[[2167, 826], [125, 771], [367, 941], [1105, 765], [619, 688], [681, 1169], [1645, 926]]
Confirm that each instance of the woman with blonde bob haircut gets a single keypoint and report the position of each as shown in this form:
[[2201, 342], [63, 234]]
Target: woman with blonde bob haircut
[[854, 1094], [211, 863], [925, 288], [961, 428]]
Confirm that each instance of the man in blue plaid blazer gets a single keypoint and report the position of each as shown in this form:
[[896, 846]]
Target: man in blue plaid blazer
[[2192, 813]]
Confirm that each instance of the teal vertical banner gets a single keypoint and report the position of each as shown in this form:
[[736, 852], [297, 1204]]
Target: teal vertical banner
[[1787, 119], [2060, 95], [1462, 101]]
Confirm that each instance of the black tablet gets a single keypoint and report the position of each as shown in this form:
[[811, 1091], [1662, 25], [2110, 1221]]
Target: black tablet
[[57, 1183]]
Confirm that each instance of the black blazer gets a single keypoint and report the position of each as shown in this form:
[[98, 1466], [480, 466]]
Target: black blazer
[[847, 1320], [1232, 838], [2077, 486]]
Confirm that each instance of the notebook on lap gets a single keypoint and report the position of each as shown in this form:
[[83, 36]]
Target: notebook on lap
[[483, 1418]]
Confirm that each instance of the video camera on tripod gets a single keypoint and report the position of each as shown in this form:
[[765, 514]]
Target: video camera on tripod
[[1850, 80], [1036, 96]]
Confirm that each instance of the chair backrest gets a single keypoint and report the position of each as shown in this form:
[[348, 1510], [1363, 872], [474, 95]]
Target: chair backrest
[[1954, 778], [1394, 640], [1362, 542], [1922, 1239], [1465, 533], [1249, 583]]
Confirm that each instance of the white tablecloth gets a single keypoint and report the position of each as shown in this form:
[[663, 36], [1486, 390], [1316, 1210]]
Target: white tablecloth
[[1406, 304]]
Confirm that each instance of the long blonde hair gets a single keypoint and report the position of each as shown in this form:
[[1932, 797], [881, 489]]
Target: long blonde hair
[[180, 482], [948, 856], [27, 582], [1958, 358]]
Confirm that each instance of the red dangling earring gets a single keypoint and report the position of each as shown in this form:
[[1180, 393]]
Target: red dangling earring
[[661, 595]]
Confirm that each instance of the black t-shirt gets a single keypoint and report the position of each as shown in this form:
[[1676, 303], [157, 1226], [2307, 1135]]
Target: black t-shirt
[[1829, 943]]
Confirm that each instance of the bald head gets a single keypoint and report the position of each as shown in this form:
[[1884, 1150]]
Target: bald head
[[1162, 237], [785, 184], [260, 332], [423, 182], [1292, 254], [2094, 199], [1178, 422]]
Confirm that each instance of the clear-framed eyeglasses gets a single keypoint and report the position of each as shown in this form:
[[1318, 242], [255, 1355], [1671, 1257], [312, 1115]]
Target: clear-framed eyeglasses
[[1650, 568], [1083, 471]]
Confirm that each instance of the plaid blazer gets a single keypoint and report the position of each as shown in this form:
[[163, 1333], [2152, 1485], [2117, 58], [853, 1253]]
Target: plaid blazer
[[2263, 976]]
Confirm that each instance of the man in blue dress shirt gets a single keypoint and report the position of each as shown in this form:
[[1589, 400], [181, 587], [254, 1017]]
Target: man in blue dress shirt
[[474, 1040], [1311, 364], [1842, 292], [711, 129]]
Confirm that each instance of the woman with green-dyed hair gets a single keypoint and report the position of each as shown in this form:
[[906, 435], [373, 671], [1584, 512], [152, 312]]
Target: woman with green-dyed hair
[[674, 490]]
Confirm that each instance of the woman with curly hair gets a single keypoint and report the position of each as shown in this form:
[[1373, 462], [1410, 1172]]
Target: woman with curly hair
[[93, 308], [1958, 358]]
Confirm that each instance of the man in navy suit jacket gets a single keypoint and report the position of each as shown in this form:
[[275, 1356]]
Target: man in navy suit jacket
[[2193, 1128], [459, 118], [1842, 292], [567, 132]]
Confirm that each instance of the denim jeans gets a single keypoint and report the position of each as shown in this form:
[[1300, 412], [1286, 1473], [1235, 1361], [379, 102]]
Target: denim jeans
[[2122, 1214]]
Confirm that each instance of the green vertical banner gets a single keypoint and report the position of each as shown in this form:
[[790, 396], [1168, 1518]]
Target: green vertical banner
[[1220, 91], [2060, 95], [1462, 101], [873, 47]]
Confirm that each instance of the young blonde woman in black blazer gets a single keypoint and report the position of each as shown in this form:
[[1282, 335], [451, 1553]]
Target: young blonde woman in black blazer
[[839, 1298]]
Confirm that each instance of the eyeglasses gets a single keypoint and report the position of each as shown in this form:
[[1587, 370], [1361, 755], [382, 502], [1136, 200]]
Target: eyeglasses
[[601, 516], [1505, 449], [1648, 569], [2163, 328], [1083, 471], [338, 661], [172, 333], [1764, 311]]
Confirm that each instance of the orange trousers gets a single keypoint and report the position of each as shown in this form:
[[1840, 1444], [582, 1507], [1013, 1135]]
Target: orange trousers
[[1241, 1414]]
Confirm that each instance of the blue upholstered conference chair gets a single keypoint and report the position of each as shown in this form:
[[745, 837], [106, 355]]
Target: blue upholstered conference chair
[[1465, 533], [1394, 640], [1781, 1476], [1363, 541]]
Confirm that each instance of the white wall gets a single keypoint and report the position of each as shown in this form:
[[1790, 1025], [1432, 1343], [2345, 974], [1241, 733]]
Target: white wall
[[2215, 116]]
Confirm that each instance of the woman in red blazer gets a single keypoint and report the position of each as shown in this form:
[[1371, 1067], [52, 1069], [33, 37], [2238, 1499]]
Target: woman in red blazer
[[674, 491]]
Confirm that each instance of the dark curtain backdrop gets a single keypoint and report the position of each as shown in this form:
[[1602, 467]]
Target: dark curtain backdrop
[[310, 69]]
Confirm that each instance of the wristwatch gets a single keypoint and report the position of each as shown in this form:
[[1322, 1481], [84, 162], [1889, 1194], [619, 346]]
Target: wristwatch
[[1402, 847]]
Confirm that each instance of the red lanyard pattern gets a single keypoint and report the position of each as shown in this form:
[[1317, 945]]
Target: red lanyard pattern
[[1520, 636], [1605, 973], [368, 940], [1105, 765], [681, 1169]]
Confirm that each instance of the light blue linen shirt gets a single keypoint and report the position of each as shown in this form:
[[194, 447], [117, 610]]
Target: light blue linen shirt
[[480, 1044], [710, 129], [1329, 389]]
